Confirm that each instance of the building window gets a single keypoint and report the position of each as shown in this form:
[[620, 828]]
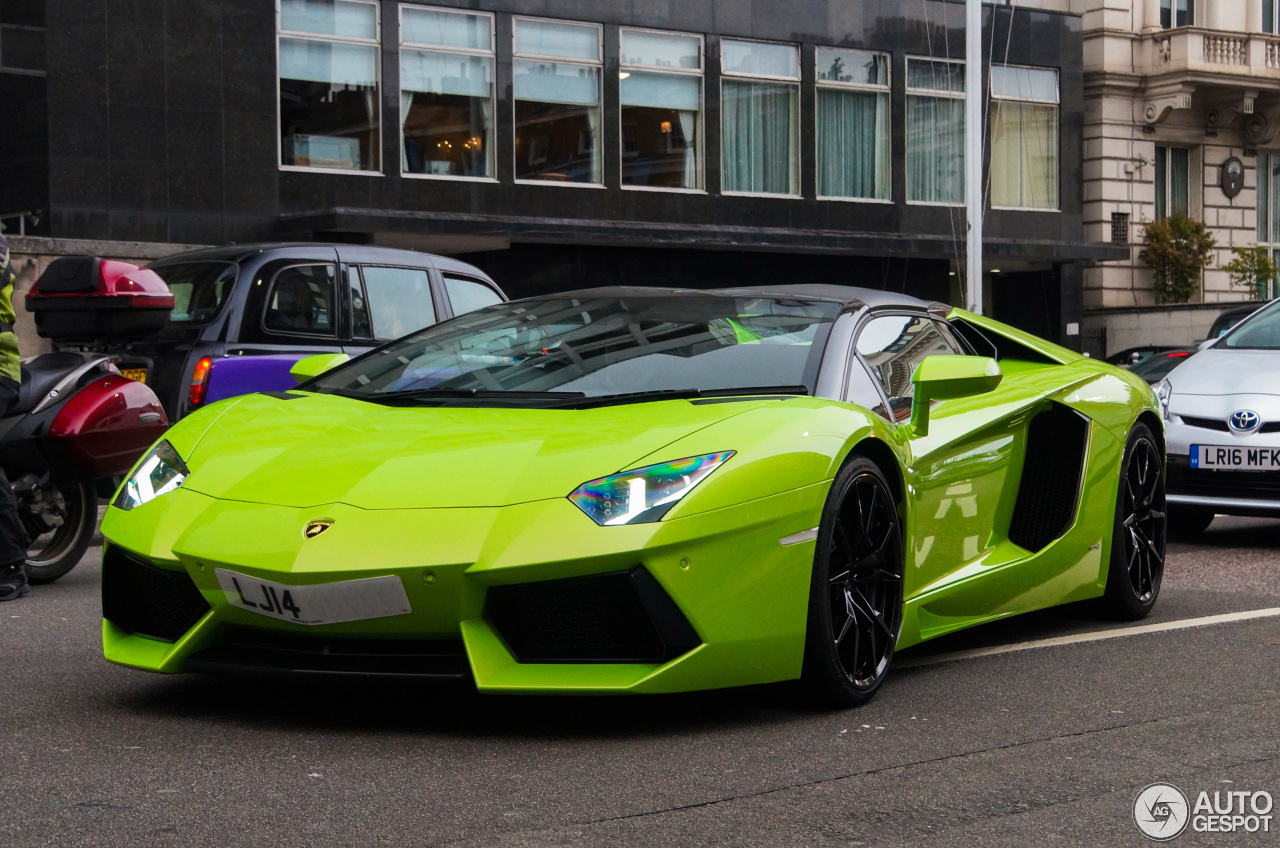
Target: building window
[[1178, 13], [760, 104], [1173, 182], [1271, 16], [1269, 203], [935, 131], [661, 88], [446, 93], [853, 124], [557, 92], [1024, 137], [329, 100]]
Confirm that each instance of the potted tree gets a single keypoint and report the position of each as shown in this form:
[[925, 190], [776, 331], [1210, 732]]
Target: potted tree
[[1177, 249]]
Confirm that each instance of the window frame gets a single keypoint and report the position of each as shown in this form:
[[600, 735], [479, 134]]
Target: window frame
[[336, 333], [1161, 214], [331, 39], [700, 73], [941, 326], [886, 89], [908, 93], [1056, 103], [1264, 206], [368, 300], [1192, 14], [599, 63], [491, 54], [458, 275], [798, 82]]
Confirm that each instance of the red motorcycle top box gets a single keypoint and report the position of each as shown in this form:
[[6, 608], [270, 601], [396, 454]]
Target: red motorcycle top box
[[85, 298]]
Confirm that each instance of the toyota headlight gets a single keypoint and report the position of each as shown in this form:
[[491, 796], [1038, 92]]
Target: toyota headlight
[[1162, 394], [160, 472], [645, 494]]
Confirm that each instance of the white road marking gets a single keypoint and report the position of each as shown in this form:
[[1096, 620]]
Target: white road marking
[[1094, 636]]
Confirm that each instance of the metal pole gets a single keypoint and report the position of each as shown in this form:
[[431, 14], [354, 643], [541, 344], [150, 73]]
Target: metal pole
[[973, 149]]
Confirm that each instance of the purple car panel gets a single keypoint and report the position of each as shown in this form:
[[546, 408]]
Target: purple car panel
[[237, 375]]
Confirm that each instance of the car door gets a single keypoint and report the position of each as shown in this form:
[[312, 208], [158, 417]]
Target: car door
[[960, 472]]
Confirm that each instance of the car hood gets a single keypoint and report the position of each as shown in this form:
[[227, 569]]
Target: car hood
[[321, 449], [1223, 371]]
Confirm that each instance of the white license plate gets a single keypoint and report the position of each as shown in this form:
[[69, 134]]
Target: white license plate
[[322, 603], [1235, 458]]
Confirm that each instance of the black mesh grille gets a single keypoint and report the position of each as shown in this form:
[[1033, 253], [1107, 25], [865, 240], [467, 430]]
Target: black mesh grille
[[619, 617], [1184, 480], [144, 599], [267, 652], [1206, 423], [1050, 487]]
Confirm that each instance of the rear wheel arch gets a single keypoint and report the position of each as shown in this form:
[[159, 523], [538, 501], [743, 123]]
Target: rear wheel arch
[[1157, 429]]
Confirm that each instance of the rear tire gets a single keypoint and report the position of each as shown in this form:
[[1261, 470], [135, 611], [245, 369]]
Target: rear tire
[[1189, 522], [57, 551], [855, 596], [1138, 538]]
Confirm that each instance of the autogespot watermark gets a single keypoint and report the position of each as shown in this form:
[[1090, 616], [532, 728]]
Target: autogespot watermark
[[1162, 812]]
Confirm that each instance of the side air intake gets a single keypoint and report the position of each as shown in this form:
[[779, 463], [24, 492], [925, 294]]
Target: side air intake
[[623, 617], [1050, 489]]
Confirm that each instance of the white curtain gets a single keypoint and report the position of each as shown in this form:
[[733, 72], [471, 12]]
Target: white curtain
[[406, 103], [759, 143], [935, 149], [853, 144], [597, 167], [689, 127], [1024, 155]]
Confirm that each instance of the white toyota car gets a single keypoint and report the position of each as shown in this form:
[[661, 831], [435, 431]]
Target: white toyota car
[[1222, 423]]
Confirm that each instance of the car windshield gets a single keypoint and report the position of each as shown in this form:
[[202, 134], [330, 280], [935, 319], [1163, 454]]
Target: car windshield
[[1260, 331], [199, 289], [601, 346]]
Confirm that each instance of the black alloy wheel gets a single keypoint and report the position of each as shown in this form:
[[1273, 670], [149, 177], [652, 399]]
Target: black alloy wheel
[[1138, 543], [855, 604]]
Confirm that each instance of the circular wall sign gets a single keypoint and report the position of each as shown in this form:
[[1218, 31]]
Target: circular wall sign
[[1232, 177]]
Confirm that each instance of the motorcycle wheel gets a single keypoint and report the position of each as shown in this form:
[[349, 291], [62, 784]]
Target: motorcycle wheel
[[56, 552]]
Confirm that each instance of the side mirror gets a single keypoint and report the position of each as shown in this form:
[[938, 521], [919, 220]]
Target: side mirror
[[313, 366], [944, 377]]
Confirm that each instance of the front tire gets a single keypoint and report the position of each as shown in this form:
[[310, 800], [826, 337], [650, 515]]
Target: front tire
[[1138, 538], [56, 549], [855, 597]]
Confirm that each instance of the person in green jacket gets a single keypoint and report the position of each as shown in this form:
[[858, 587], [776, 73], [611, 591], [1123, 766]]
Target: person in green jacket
[[13, 536]]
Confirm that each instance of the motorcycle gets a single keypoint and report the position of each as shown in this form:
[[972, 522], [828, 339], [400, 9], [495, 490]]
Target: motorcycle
[[79, 422]]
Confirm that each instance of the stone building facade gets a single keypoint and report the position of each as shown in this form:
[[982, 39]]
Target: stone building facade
[[1176, 91]]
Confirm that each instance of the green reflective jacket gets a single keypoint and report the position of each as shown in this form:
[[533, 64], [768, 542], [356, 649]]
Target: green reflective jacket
[[8, 338]]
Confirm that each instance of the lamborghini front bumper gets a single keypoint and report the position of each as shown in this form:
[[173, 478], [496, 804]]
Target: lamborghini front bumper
[[532, 597]]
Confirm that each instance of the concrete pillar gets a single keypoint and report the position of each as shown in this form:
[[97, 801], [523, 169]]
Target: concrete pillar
[[1253, 10], [1214, 16], [1151, 16]]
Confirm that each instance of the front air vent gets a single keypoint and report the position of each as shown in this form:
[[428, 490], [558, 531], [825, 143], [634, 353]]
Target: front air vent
[[268, 653], [1057, 440], [148, 600], [623, 617]]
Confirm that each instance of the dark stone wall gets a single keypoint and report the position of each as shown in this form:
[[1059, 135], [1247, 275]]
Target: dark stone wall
[[162, 119]]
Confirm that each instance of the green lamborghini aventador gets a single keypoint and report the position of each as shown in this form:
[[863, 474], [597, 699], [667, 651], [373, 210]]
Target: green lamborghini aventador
[[641, 490]]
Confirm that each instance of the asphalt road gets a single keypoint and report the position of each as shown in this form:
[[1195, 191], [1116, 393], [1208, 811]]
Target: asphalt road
[[1033, 747]]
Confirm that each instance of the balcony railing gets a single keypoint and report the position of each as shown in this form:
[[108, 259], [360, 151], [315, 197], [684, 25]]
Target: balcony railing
[[1195, 50]]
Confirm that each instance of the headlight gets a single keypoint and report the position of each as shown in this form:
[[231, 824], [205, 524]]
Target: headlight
[[645, 494], [1162, 394], [160, 472]]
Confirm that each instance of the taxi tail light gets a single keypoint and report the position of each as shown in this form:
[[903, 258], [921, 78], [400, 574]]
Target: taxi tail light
[[199, 381]]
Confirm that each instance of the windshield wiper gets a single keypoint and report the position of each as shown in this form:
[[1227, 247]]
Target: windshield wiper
[[687, 394]]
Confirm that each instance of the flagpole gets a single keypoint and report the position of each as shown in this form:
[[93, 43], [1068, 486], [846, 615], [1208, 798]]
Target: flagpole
[[973, 151]]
